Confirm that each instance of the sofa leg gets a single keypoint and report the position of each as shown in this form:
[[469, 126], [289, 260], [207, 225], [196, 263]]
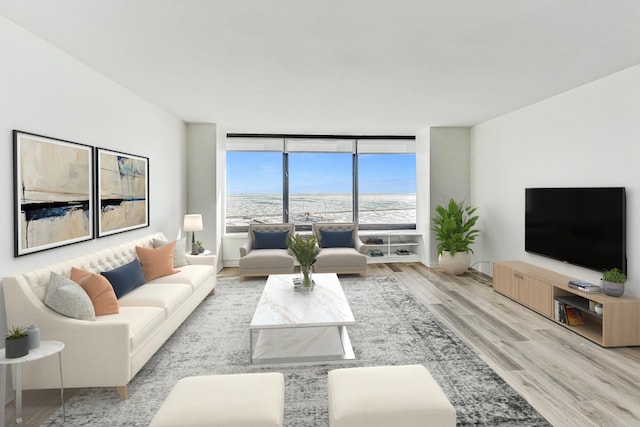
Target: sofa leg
[[122, 392]]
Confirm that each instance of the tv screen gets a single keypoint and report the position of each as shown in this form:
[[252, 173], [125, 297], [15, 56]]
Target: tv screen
[[580, 226]]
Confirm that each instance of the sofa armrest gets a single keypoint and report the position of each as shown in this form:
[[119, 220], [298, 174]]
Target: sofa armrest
[[360, 247], [96, 351], [245, 248], [201, 260], [104, 343]]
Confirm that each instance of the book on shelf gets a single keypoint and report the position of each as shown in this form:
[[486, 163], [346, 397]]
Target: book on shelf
[[563, 312], [376, 252], [583, 286], [567, 314], [574, 316], [560, 311], [373, 241], [588, 290], [580, 283]]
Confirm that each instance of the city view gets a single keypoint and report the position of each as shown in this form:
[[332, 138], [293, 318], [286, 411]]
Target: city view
[[320, 188]]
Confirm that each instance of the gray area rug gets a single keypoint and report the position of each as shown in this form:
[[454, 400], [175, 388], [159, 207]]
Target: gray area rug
[[392, 328]]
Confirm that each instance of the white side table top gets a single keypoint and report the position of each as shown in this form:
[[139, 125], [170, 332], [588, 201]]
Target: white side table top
[[47, 348], [206, 252]]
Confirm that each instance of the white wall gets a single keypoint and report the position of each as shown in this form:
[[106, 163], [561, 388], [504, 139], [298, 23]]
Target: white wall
[[589, 136], [423, 191], [45, 91], [448, 174], [202, 181]]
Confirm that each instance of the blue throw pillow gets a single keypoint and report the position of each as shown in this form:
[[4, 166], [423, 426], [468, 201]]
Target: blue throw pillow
[[270, 239], [336, 238], [125, 278]]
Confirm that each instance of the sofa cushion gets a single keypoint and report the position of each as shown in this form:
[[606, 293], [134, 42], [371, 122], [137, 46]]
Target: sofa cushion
[[267, 258], [125, 278], [179, 254], [336, 238], [156, 262], [98, 289], [66, 297], [194, 275], [162, 295], [340, 257], [143, 322], [270, 239]]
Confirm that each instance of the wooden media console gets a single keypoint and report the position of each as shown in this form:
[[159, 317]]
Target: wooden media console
[[538, 289]]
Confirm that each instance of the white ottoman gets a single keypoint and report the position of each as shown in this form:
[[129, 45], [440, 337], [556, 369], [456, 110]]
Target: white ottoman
[[398, 396], [247, 400]]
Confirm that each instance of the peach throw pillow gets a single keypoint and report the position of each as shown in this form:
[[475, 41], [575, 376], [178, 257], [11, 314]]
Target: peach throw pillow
[[156, 262], [99, 290]]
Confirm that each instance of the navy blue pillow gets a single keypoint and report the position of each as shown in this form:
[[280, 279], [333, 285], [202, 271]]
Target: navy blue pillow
[[336, 238], [125, 278], [270, 239]]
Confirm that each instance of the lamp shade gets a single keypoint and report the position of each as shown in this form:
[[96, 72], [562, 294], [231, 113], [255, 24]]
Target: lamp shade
[[192, 222]]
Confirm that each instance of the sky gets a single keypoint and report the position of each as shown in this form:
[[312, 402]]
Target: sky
[[261, 173]]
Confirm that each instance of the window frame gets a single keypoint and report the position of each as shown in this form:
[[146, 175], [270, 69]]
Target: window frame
[[361, 144]]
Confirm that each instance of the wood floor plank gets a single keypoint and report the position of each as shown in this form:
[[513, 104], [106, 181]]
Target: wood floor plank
[[568, 379], [482, 345]]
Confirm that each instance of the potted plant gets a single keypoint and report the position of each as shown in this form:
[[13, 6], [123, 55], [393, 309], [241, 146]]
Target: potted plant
[[455, 232], [613, 282], [16, 343], [305, 250]]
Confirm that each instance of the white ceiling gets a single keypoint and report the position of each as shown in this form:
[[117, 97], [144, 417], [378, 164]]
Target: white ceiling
[[352, 66]]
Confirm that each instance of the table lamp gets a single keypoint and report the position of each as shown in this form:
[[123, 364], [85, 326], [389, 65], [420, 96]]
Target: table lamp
[[193, 223]]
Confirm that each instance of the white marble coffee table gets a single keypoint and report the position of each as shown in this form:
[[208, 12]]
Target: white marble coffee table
[[301, 326]]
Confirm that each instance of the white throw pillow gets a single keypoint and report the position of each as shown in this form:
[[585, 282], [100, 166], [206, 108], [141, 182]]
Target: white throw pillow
[[66, 297], [179, 254]]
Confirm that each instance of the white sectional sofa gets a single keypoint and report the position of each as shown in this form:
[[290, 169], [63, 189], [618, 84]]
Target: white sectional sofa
[[110, 350]]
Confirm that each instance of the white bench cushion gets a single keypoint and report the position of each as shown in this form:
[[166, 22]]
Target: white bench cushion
[[241, 400], [398, 396]]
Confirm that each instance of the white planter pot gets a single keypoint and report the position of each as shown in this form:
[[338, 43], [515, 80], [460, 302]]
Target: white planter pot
[[457, 264]]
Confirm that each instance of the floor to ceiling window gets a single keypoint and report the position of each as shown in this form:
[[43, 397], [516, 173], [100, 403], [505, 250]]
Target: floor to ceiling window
[[253, 184], [386, 183], [301, 180], [320, 180]]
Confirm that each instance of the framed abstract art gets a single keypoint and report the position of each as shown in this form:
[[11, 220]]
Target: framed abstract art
[[122, 192], [53, 192]]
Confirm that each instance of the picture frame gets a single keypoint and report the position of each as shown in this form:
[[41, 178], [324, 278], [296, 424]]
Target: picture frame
[[53, 192], [122, 192]]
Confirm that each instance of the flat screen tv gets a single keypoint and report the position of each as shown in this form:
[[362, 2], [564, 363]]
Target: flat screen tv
[[580, 226]]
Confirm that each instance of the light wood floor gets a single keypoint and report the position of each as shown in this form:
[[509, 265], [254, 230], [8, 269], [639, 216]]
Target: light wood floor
[[568, 379]]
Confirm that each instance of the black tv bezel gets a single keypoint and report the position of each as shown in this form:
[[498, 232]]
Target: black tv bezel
[[624, 226]]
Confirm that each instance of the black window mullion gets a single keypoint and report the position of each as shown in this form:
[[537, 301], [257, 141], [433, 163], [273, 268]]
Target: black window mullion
[[354, 191], [285, 187]]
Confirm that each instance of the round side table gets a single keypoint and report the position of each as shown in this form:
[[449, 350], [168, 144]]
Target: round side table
[[46, 349]]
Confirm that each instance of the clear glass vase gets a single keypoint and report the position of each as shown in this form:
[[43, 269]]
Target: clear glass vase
[[306, 276]]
